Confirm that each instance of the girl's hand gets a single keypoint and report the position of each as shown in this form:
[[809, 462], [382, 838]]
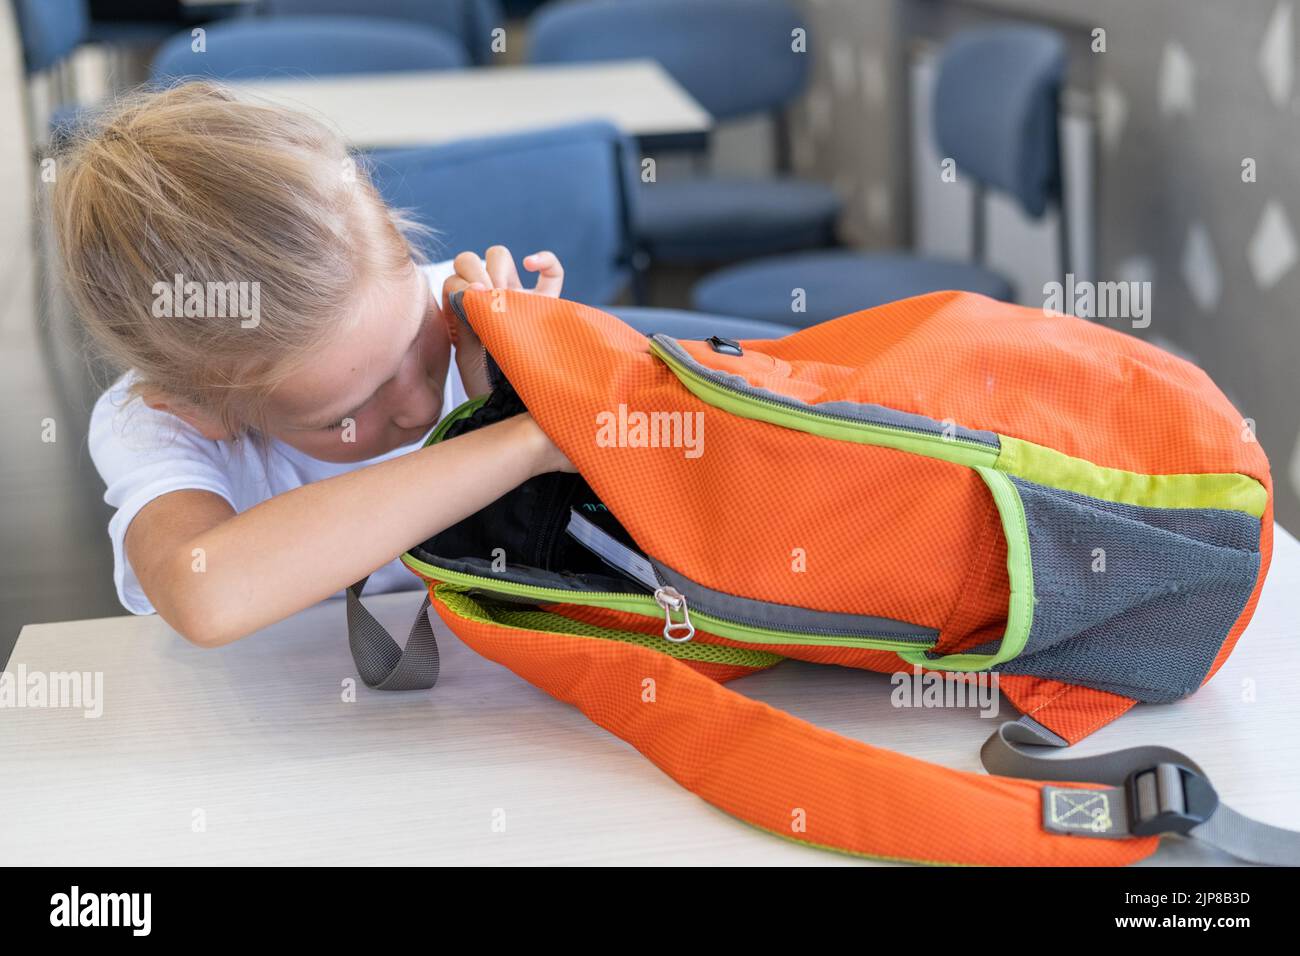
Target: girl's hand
[[546, 456], [498, 272]]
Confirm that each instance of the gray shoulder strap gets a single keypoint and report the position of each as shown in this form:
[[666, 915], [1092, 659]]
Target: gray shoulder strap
[[381, 662], [1152, 790]]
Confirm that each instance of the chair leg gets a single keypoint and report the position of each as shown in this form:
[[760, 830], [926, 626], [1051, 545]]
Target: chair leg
[[640, 277], [1063, 238], [783, 160], [1062, 198]]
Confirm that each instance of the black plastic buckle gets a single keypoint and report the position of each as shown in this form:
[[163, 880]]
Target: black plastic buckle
[[724, 345], [1168, 798]]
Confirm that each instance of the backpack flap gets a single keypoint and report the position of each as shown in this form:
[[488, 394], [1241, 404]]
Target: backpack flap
[[621, 592]]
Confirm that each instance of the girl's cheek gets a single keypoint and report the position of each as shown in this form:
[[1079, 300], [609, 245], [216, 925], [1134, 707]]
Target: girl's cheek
[[353, 442], [434, 350]]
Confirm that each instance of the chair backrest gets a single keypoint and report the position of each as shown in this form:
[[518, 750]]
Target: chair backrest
[[257, 47], [50, 30], [469, 21], [736, 57], [565, 189], [996, 109]]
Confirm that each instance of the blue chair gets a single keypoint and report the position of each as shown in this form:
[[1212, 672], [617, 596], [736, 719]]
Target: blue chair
[[520, 8], [995, 114], [469, 21], [50, 30], [683, 324], [565, 189], [258, 47], [735, 58], [134, 23]]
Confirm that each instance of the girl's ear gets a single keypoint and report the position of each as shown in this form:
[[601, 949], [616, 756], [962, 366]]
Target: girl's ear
[[203, 421]]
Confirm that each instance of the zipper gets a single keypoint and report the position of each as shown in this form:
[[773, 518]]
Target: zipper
[[981, 455], [663, 598], [666, 601], [671, 599], [958, 448], [633, 564], [657, 345]]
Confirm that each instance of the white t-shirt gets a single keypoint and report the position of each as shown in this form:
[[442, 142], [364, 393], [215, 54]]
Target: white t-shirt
[[142, 453]]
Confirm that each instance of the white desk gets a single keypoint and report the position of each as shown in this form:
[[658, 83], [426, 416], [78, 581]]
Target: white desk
[[413, 109], [256, 737]]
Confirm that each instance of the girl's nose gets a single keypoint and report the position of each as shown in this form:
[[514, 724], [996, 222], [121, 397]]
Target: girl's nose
[[421, 411], [417, 405]]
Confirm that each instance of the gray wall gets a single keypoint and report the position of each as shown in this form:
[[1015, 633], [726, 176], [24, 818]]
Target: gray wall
[[1185, 91]]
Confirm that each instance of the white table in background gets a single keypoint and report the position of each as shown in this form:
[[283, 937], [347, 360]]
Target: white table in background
[[255, 739], [419, 108]]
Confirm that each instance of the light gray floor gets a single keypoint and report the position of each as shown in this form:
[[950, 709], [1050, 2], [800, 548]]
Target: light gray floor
[[55, 562]]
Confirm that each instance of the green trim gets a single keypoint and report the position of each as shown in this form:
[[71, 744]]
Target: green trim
[[847, 852], [463, 410], [1020, 606], [617, 600], [1020, 572], [463, 605], [516, 618], [645, 605], [1046, 466], [957, 451], [1016, 457]]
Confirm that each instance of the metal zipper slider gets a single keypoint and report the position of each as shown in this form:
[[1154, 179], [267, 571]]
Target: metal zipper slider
[[670, 599]]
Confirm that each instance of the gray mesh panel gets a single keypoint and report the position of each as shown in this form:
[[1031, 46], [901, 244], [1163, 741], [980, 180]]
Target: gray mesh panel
[[1150, 624]]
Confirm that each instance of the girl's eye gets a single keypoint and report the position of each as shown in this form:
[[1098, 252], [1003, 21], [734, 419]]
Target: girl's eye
[[336, 426]]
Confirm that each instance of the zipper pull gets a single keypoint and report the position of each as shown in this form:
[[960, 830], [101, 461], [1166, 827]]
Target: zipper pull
[[670, 599]]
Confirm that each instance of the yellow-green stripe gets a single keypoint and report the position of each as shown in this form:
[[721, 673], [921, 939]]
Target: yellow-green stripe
[[1046, 466]]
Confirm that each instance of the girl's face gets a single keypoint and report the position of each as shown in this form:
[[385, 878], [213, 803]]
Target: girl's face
[[374, 387]]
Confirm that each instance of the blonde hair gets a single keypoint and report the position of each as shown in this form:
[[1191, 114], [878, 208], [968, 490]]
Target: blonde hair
[[197, 182]]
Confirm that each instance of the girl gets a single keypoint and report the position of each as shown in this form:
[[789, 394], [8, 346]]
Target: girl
[[245, 445]]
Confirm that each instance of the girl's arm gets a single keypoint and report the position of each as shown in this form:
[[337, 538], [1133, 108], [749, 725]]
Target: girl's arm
[[300, 547]]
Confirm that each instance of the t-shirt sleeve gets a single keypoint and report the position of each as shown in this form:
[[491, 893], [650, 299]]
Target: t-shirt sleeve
[[437, 273], [142, 454]]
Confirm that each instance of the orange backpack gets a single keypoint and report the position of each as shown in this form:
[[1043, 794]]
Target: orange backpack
[[943, 485]]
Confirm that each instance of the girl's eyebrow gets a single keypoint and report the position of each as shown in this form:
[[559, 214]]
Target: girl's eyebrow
[[419, 327]]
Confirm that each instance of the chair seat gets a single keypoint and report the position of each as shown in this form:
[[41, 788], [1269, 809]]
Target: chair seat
[[721, 219], [835, 283], [683, 324]]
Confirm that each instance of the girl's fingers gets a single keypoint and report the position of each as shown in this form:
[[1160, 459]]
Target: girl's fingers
[[471, 268], [501, 269], [458, 330], [550, 278], [456, 283]]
